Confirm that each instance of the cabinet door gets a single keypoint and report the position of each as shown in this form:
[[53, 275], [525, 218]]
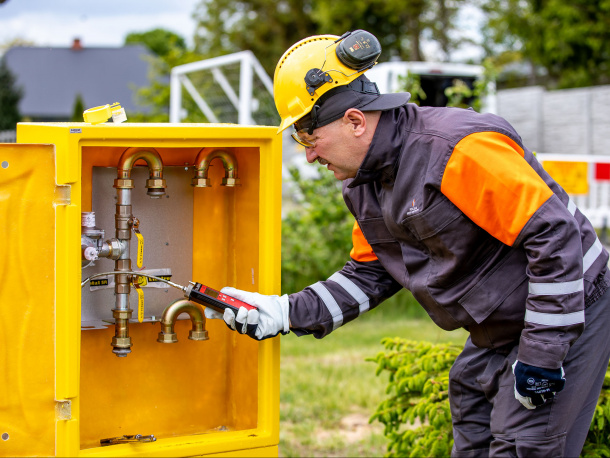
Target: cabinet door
[[28, 196]]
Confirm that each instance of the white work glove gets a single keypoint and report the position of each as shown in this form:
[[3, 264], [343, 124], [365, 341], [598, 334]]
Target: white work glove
[[534, 385], [269, 320]]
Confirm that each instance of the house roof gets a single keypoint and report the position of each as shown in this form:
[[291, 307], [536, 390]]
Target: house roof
[[51, 78]]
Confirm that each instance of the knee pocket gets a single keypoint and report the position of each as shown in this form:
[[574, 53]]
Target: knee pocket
[[536, 446], [455, 388]]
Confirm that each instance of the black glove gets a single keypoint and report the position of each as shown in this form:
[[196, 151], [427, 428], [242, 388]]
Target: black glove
[[535, 385]]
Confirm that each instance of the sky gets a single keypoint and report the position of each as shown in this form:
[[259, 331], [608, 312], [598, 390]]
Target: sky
[[95, 22], [57, 23]]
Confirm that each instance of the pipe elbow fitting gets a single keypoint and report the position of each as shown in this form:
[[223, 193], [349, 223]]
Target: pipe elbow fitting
[[202, 165], [155, 184], [170, 315]]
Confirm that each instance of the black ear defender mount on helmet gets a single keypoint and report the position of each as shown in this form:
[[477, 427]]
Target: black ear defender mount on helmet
[[357, 50], [315, 78]]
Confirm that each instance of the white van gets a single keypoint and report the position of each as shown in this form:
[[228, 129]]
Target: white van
[[435, 77]]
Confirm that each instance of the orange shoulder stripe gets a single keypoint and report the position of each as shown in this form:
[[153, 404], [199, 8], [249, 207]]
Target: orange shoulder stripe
[[488, 179], [361, 251]]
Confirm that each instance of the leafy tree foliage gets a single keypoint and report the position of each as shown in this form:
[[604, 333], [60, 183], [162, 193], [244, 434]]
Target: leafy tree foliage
[[9, 99], [269, 27], [160, 41], [169, 50], [316, 236], [13, 43], [568, 38], [459, 94]]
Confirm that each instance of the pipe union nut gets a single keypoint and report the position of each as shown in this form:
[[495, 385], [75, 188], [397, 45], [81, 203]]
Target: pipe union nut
[[156, 183], [122, 314], [123, 183], [231, 182], [198, 335], [169, 337], [201, 183], [121, 342]]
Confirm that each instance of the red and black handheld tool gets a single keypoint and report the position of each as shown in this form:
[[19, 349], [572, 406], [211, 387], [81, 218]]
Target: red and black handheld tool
[[216, 300], [195, 292]]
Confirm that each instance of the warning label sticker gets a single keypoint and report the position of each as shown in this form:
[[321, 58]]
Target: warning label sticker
[[146, 282], [571, 176]]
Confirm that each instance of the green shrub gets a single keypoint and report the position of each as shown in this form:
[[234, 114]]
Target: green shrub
[[598, 439], [317, 234], [416, 412], [417, 396]]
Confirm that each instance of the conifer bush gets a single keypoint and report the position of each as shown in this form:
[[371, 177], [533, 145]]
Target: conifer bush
[[416, 411]]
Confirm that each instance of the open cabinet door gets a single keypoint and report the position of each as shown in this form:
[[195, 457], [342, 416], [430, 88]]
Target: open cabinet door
[[28, 197]]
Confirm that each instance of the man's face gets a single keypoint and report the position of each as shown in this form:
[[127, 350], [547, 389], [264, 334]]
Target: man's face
[[336, 147]]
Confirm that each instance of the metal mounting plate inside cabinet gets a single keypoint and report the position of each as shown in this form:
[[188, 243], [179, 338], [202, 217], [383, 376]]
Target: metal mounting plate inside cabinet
[[167, 226]]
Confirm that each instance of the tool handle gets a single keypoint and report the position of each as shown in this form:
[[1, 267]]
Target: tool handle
[[216, 300]]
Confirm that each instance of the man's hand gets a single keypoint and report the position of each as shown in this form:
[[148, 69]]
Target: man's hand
[[535, 385], [269, 320]]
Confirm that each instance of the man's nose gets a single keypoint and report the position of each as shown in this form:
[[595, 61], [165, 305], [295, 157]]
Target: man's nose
[[311, 155]]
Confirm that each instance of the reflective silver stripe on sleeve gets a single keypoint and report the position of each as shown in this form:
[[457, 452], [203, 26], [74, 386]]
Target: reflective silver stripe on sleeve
[[353, 290], [550, 289], [571, 207], [555, 319], [330, 302], [591, 256]]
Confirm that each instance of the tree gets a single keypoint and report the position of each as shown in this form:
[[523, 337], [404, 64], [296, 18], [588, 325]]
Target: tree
[[13, 43], [268, 27], [160, 42], [169, 50], [79, 108], [567, 38], [10, 96]]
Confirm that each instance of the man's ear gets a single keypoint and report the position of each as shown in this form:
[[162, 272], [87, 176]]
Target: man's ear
[[357, 121]]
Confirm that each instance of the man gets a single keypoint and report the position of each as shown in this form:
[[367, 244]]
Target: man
[[451, 205]]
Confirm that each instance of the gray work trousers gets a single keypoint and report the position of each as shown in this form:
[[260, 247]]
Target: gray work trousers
[[489, 421]]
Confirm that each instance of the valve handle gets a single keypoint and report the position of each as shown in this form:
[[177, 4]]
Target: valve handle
[[135, 226]]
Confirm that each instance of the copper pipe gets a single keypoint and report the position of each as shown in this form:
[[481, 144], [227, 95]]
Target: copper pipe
[[121, 342], [155, 183], [170, 315], [202, 164]]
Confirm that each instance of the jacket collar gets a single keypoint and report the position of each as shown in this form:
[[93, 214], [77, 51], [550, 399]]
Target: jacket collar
[[384, 149]]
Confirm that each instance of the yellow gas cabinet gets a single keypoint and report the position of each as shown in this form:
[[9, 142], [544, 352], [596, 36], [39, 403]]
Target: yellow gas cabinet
[[98, 361]]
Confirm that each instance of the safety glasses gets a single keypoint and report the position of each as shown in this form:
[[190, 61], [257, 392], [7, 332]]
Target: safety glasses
[[302, 141]]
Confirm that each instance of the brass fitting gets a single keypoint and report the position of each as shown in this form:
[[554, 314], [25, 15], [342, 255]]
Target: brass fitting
[[123, 183], [155, 184], [170, 315], [202, 164], [122, 221], [121, 342]]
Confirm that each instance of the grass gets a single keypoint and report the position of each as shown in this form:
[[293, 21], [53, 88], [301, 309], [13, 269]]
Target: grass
[[328, 391]]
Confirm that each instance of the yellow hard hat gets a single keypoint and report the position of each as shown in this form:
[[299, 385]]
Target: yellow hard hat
[[316, 65]]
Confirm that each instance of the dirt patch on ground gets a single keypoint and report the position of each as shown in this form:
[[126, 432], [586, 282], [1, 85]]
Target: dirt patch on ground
[[352, 428]]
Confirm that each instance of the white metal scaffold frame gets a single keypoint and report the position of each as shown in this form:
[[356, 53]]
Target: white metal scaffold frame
[[249, 66]]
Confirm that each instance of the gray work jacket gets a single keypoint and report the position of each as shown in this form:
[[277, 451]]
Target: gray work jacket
[[454, 208]]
